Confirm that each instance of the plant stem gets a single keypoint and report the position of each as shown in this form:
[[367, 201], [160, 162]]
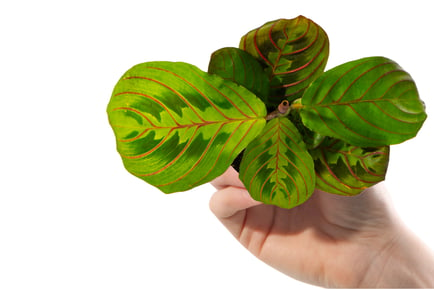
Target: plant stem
[[282, 110]]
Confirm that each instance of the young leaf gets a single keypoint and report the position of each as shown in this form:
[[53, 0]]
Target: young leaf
[[178, 127], [346, 169], [368, 102], [240, 67], [295, 52], [277, 168]]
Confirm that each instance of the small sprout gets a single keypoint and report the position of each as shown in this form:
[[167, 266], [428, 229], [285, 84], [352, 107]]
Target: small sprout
[[283, 107]]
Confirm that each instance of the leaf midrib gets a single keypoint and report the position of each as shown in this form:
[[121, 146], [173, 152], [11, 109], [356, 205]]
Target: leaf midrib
[[207, 123]]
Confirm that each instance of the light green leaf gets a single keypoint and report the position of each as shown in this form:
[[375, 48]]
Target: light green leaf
[[346, 169], [368, 102], [177, 127], [295, 52], [277, 168]]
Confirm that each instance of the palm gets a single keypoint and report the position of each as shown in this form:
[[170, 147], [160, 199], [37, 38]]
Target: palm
[[328, 238]]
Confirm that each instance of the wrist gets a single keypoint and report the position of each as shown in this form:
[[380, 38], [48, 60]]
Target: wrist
[[406, 262]]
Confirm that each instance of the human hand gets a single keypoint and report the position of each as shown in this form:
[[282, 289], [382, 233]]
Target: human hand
[[330, 240]]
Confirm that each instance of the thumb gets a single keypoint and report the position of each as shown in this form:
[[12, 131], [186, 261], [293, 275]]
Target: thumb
[[230, 200]]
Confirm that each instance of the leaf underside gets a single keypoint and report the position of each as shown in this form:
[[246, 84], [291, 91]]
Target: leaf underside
[[178, 127], [368, 102], [277, 168], [295, 52], [346, 169]]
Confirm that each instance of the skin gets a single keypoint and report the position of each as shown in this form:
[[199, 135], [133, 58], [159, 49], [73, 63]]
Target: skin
[[330, 240]]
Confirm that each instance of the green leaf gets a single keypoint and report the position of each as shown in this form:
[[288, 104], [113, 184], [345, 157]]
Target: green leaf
[[277, 168], [346, 169], [240, 67], [295, 52], [368, 102], [177, 127]]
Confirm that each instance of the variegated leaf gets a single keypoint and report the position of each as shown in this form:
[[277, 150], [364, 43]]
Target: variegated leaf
[[277, 168], [295, 52], [346, 169], [177, 127]]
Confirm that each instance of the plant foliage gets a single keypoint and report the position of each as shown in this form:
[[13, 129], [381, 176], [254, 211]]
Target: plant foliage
[[294, 53], [276, 166], [343, 100], [178, 127], [299, 128]]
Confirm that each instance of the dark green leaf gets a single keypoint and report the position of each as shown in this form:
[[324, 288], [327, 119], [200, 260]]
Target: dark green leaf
[[346, 169], [277, 168], [295, 52], [178, 127], [311, 139], [240, 67], [368, 102]]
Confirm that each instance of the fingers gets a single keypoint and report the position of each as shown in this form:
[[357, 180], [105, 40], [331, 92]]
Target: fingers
[[229, 178], [232, 196], [226, 202]]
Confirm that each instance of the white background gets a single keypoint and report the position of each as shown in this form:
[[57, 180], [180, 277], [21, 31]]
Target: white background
[[71, 217]]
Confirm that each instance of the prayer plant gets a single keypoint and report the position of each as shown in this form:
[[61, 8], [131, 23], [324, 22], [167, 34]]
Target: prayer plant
[[268, 105]]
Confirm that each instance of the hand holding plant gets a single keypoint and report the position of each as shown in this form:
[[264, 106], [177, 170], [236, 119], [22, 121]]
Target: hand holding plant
[[330, 240], [299, 128]]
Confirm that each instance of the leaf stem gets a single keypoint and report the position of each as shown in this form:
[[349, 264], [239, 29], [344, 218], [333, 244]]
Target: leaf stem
[[297, 104]]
